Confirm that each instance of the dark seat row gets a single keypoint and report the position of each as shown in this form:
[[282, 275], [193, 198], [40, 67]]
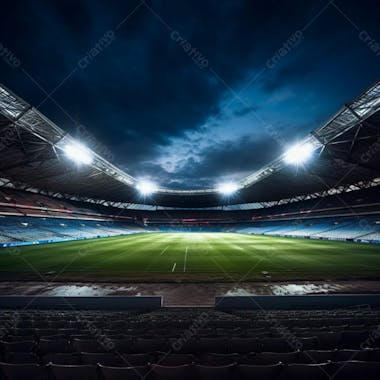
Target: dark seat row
[[183, 323], [170, 359], [164, 319], [103, 343], [350, 370], [29, 333]]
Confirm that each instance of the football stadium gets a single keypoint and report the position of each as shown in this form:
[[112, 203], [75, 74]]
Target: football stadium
[[189, 191]]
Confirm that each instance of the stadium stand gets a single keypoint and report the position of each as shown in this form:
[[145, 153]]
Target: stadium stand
[[29, 229], [28, 217], [22, 203], [355, 203], [33, 217], [357, 229], [191, 344]]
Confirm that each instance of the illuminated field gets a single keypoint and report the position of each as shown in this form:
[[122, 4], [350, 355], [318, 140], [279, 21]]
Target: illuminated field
[[191, 256]]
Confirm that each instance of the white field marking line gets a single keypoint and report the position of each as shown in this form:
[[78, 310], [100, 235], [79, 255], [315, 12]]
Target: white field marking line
[[164, 251], [184, 264], [174, 267]]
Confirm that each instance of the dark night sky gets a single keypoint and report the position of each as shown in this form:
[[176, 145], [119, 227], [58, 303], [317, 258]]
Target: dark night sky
[[161, 113]]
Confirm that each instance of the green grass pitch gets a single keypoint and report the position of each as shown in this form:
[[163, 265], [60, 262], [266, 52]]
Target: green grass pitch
[[191, 257]]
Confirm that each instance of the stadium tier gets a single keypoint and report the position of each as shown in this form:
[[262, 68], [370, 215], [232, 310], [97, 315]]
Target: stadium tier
[[355, 229], [191, 344], [29, 229], [27, 217]]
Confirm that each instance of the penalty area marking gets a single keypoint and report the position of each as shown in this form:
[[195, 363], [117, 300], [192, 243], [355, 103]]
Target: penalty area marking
[[184, 263], [174, 267], [164, 251]]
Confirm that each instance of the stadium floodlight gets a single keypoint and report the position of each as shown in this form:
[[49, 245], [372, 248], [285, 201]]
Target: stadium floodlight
[[78, 153], [299, 154], [228, 188], [146, 187]]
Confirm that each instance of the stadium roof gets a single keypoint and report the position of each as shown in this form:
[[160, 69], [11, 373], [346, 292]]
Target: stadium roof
[[32, 152]]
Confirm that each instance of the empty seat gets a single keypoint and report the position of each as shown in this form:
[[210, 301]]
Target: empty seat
[[54, 337], [316, 356], [44, 332], [112, 335], [215, 359], [256, 333], [181, 372], [150, 345], [158, 332], [354, 339], [18, 338], [39, 324], [228, 332], [245, 345], [356, 370], [183, 346], [374, 355], [135, 331], [108, 359], [258, 372], [22, 332], [329, 340], [23, 371], [347, 355], [61, 358], [247, 358], [275, 357], [212, 345], [87, 345], [275, 345], [73, 372], [309, 343], [124, 373], [21, 346], [66, 333], [117, 325], [124, 345], [20, 357], [82, 336], [135, 360], [59, 324], [24, 324], [337, 328], [51, 346], [307, 372], [175, 359], [205, 332], [214, 372]]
